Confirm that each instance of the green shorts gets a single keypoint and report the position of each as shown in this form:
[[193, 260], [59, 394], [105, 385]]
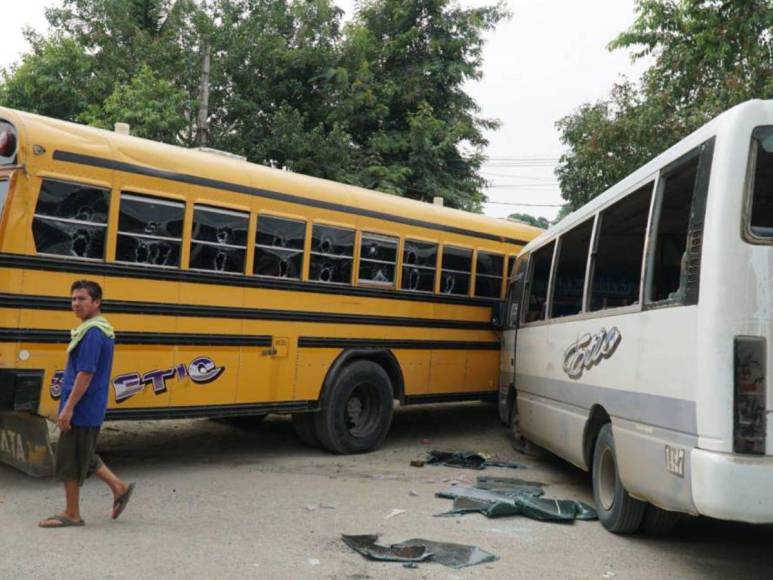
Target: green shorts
[[76, 454]]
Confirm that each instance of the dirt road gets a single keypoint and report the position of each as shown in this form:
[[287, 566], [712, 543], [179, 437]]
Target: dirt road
[[214, 501]]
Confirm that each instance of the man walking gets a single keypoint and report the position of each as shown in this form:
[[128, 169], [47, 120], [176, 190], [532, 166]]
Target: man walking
[[83, 405]]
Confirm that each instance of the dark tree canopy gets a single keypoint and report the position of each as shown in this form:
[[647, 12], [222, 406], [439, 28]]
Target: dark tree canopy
[[379, 103]]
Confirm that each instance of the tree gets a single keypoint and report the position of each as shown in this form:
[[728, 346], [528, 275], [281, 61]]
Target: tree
[[416, 132], [708, 55], [379, 104], [51, 80], [536, 221], [149, 104]]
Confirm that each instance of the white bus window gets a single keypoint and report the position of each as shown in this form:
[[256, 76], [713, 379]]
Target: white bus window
[[677, 229], [71, 220], [279, 247], [378, 259], [419, 264], [457, 265], [570, 273], [536, 307], [670, 249], [515, 293], [219, 240], [150, 231], [332, 251], [762, 184], [619, 251], [488, 275]]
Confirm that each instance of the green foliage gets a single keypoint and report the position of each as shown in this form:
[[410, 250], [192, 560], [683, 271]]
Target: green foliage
[[149, 104], [418, 133], [708, 55], [380, 104], [536, 221], [51, 80]]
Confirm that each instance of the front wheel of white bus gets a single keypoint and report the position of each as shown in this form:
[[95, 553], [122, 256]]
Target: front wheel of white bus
[[357, 411], [618, 512]]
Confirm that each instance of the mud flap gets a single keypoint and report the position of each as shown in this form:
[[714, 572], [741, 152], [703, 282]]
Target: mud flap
[[25, 444]]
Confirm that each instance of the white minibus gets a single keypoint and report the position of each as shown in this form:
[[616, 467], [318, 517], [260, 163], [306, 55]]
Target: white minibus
[[638, 333]]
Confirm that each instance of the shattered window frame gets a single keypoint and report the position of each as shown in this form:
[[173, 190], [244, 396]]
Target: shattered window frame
[[413, 246], [478, 275], [317, 256], [390, 241], [44, 217], [453, 273], [202, 208], [261, 249], [149, 199]]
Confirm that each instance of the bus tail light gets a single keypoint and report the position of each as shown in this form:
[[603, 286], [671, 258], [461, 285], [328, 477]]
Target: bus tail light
[[749, 402]]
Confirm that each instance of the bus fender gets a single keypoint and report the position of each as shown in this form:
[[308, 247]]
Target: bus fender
[[383, 357]]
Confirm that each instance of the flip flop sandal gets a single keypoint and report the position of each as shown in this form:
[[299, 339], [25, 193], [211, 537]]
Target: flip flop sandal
[[64, 522], [120, 502]]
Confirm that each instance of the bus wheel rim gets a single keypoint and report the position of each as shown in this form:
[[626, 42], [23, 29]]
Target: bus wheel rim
[[607, 479], [360, 411]]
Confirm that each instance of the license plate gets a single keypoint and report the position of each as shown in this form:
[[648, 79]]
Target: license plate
[[675, 460]]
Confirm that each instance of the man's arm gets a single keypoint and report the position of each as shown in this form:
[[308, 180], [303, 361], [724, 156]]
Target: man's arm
[[80, 386]]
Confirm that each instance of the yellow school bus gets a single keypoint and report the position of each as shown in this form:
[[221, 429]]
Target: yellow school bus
[[237, 289]]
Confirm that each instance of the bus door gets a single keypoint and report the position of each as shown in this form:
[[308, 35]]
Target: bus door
[[507, 354]]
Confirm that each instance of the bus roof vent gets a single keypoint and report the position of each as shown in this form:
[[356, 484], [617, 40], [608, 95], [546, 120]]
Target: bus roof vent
[[122, 128], [221, 153]]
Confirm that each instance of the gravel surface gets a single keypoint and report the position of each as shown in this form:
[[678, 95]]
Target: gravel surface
[[216, 501]]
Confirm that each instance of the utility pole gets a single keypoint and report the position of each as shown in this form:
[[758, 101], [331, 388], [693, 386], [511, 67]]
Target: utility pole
[[202, 125]]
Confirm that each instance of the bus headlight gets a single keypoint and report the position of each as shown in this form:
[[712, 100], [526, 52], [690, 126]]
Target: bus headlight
[[749, 401]]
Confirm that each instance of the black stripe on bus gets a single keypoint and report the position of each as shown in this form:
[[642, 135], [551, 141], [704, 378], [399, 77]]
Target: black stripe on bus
[[451, 397], [161, 309], [92, 161], [34, 335], [209, 411], [144, 272], [320, 342]]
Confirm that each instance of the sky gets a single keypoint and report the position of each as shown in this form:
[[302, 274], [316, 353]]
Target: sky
[[548, 59]]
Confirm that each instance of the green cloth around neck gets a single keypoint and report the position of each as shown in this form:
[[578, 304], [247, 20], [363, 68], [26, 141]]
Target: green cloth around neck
[[99, 322]]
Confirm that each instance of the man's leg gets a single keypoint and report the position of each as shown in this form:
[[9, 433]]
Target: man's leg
[[72, 493], [115, 483]]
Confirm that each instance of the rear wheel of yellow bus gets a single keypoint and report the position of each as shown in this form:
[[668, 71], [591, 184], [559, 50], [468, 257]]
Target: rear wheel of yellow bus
[[357, 411]]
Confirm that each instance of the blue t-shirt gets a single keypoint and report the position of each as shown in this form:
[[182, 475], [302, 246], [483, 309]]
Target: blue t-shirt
[[94, 354]]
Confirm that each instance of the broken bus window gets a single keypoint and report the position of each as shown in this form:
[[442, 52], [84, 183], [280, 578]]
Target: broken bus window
[[71, 220]]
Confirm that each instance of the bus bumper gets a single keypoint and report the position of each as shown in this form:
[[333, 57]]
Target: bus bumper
[[733, 487], [25, 444]]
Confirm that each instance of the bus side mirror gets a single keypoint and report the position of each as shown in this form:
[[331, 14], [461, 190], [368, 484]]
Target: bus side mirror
[[498, 315]]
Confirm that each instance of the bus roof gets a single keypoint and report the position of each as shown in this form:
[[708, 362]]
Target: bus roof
[[58, 135]]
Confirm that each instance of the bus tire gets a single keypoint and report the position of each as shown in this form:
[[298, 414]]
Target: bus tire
[[304, 426], [618, 512], [357, 409], [659, 522]]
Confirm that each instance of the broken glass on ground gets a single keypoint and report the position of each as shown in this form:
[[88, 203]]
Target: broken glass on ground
[[499, 497], [467, 460], [419, 550]]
